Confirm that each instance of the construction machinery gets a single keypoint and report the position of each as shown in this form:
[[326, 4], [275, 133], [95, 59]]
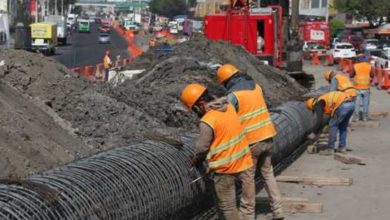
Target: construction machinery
[[44, 37], [61, 27], [259, 30]]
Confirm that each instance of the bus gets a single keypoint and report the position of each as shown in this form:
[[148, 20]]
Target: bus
[[84, 26]]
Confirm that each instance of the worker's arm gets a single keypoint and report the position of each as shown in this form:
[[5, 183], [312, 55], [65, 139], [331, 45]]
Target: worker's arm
[[333, 85], [233, 100], [203, 143]]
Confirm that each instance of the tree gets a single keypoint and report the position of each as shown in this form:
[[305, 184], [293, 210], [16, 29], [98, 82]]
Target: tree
[[372, 10], [169, 8]]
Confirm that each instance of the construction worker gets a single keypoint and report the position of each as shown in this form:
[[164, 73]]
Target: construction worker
[[362, 74], [107, 63], [340, 107], [224, 146], [247, 98], [340, 82]]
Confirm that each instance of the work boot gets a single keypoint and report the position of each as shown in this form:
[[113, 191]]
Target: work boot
[[277, 216], [342, 150], [327, 152]]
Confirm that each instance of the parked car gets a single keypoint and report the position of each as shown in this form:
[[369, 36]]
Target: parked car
[[370, 44], [383, 61], [343, 50], [384, 45], [312, 47], [104, 38]]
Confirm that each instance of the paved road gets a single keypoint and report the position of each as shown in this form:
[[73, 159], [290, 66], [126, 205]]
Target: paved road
[[84, 49]]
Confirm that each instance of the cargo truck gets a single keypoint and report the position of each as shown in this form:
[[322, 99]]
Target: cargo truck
[[315, 31], [61, 27], [44, 37]]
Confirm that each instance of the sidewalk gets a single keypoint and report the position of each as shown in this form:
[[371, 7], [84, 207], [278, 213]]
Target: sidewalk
[[369, 195]]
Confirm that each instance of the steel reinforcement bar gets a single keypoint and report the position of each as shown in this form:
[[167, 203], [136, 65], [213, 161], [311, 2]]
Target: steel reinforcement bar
[[144, 180]]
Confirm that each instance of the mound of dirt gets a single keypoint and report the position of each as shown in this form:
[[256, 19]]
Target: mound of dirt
[[156, 91]]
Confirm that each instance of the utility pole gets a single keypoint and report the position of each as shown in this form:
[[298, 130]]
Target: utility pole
[[55, 7], [36, 10], [327, 11], [62, 7]]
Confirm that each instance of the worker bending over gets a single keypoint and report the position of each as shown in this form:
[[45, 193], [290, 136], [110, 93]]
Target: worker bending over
[[362, 74], [340, 82], [107, 63], [340, 107], [247, 99], [223, 144]]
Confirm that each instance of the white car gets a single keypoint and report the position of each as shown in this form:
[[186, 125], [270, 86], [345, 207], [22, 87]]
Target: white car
[[343, 50], [383, 61], [370, 44]]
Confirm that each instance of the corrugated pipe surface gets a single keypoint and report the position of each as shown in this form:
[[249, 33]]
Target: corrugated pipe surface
[[146, 180]]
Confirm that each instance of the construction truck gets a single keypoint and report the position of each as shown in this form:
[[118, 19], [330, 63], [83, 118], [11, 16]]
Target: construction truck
[[315, 31], [44, 37], [259, 30], [61, 27]]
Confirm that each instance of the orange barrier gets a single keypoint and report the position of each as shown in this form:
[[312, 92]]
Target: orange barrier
[[315, 60], [87, 71], [76, 70], [341, 64], [98, 75], [386, 79], [379, 77], [329, 61]]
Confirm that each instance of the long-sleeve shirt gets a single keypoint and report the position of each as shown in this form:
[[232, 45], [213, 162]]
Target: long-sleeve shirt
[[202, 145], [333, 84]]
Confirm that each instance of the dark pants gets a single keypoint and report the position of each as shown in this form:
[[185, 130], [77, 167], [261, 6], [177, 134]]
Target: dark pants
[[106, 73]]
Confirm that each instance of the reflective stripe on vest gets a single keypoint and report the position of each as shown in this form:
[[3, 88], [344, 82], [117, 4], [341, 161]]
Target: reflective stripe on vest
[[333, 100], [362, 75], [254, 115], [345, 85], [229, 151]]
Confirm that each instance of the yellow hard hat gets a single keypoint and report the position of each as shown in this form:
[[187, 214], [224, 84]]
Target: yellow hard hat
[[328, 74], [191, 93], [310, 103], [225, 72]]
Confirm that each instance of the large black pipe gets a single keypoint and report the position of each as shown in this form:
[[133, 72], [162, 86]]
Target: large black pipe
[[144, 180]]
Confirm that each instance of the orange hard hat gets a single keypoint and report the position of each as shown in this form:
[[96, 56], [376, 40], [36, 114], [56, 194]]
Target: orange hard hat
[[225, 72], [191, 94], [310, 103], [328, 74]]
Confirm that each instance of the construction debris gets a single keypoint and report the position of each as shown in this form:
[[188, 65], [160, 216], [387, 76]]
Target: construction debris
[[316, 180], [349, 159]]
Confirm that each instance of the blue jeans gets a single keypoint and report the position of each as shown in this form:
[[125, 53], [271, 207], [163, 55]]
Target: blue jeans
[[362, 98], [339, 123]]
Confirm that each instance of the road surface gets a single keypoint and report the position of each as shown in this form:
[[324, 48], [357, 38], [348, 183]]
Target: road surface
[[84, 49]]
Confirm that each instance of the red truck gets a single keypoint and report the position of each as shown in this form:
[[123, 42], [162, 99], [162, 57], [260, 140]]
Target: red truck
[[315, 31]]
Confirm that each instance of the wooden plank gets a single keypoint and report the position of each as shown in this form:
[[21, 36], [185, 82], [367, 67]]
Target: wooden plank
[[299, 207], [365, 124], [267, 200], [349, 159], [378, 114], [316, 180]]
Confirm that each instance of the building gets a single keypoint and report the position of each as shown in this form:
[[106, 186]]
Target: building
[[320, 8], [204, 7]]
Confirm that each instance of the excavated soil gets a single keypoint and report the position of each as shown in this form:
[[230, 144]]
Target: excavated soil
[[156, 91], [50, 116]]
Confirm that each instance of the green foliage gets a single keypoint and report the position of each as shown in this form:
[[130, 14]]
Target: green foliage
[[336, 26], [169, 8], [372, 10]]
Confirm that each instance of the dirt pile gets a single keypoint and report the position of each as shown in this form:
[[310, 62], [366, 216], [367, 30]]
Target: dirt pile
[[156, 91], [61, 102]]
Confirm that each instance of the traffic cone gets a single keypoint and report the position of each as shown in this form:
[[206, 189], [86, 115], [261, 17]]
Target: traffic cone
[[341, 63], [87, 71], [386, 80], [329, 61], [98, 72], [315, 59], [379, 76]]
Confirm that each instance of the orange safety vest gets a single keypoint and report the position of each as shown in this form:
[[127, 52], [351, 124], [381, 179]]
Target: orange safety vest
[[362, 75], [345, 85], [333, 100], [254, 115], [229, 151], [106, 62]]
